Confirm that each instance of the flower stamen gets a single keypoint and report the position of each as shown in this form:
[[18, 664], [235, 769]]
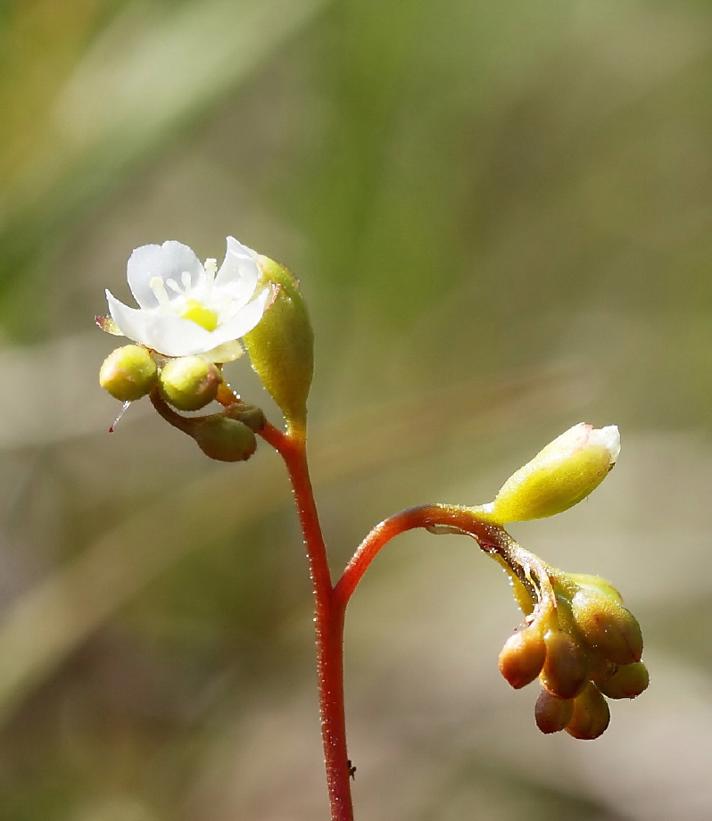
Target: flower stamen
[[158, 286], [174, 286], [210, 270]]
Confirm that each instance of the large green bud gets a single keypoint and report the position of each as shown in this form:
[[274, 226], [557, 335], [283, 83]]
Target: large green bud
[[281, 345], [558, 477]]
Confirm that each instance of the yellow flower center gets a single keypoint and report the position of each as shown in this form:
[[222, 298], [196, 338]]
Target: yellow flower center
[[197, 312]]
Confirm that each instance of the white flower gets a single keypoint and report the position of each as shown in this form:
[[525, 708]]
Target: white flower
[[187, 308]]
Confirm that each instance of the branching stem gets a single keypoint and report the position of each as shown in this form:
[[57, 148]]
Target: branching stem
[[330, 601]]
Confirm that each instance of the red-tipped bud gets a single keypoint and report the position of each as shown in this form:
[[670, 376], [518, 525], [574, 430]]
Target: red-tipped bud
[[607, 626], [552, 713], [628, 681], [566, 667], [189, 383], [128, 373], [591, 714], [522, 657]]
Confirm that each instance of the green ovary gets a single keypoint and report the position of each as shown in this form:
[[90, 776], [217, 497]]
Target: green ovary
[[200, 314]]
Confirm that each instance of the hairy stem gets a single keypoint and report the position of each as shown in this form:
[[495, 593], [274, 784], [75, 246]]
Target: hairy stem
[[437, 518], [328, 620]]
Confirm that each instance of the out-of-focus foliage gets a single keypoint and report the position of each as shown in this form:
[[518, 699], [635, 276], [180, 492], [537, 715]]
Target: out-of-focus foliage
[[500, 215]]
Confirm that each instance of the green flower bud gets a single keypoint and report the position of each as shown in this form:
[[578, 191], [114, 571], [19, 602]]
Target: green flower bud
[[189, 383], [522, 656], [281, 346], [591, 714], [128, 373], [566, 667], [559, 476], [224, 439], [607, 626], [628, 681], [552, 713]]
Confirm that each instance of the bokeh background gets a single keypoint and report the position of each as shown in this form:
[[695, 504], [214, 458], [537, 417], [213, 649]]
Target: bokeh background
[[500, 213]]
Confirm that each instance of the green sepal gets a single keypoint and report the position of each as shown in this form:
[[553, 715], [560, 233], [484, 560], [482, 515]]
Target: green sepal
[[281, 346]]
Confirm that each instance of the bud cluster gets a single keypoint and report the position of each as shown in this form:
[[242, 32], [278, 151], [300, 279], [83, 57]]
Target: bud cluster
[[187, 383], [582, 644]]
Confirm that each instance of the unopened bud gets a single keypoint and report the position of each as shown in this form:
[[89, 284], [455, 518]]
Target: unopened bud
[[559, 476], [598, 583], [607, 626], [128, 373], [281, 346], [522, 657], [600, 669], [223, 439], [189, 383], [552, 713], [566, 666], [628, 681], [591, 714]]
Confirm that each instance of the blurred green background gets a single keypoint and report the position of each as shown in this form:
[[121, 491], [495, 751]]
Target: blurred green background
[[500, 213]]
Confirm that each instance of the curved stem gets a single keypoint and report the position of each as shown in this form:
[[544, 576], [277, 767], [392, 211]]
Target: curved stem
[[437, 518], [328, 621], [183, 423]]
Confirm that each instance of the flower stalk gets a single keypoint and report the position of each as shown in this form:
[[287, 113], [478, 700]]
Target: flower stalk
[[328, 622]]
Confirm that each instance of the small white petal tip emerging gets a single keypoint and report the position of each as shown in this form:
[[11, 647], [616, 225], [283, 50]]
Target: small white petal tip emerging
[[187, 308], [609, 438]]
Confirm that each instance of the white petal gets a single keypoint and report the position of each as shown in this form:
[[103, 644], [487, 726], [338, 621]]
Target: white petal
[[130, 321], [165, 333], [168, 260], [609, 438], [243, 322], [239, 272]]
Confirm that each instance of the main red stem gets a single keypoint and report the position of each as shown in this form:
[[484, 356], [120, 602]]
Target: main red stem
[[328, 621]]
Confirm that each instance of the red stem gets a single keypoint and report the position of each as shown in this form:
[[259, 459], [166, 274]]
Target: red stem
[[331, 601], [329, 623], [462, 520]]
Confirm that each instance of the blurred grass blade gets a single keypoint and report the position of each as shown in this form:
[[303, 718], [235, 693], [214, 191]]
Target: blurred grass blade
[[139, 84]]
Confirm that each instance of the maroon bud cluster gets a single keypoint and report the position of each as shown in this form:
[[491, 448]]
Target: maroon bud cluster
[[583, 644]]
